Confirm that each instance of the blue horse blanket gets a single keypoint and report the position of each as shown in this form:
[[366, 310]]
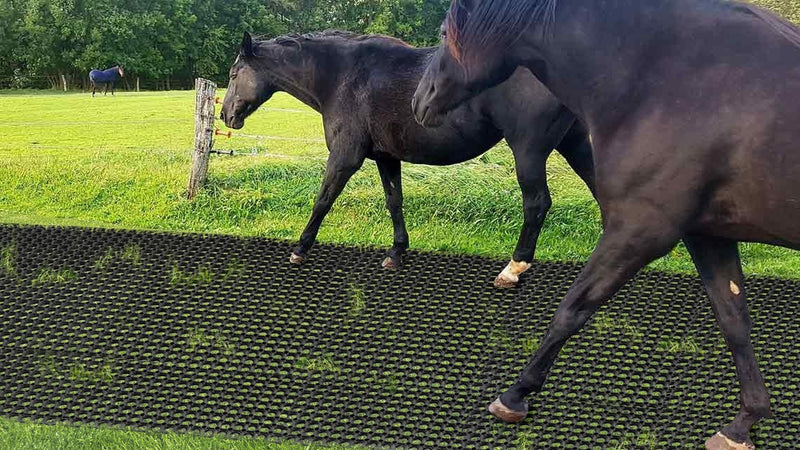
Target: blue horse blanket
[[105, 76]]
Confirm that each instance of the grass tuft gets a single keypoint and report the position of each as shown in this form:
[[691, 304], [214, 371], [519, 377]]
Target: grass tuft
[[235, 269], [358, 300], [202, 276], [48, 365], [645, 439], [323, 363], [8, 260], [79, 372], [685, 346], [529, 345], [198, 338], [132, 254], [604, 323], [48, 275], [103, 262]]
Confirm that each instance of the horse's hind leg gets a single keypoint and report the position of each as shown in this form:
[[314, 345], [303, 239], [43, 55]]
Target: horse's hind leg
[[536, 202], [389, 170], [641, 234], [341, 166], [94, 88], [105, 91], [717, 261]]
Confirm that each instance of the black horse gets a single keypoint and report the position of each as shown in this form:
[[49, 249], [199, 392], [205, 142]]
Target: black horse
[[692, 107], [362, 86], [107, 77]]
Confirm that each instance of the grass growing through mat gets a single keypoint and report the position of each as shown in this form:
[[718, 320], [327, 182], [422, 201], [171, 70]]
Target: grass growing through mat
[[76, 372], [48, 275], [358, 300], [684, 346], [324, 363], [234, 270], [645, 439], [132, 254], [604, 323], [202, 275], [8, 260], [198, 338], [79, 372]]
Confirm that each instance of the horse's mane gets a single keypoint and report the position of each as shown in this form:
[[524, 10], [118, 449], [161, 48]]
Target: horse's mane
[[491, 25], [785, 28], [299, 39]]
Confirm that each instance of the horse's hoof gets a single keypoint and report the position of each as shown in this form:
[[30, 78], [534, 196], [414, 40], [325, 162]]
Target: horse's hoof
[[504, 283], [390, 263], [721, 442], [506, 414], [297, 259]]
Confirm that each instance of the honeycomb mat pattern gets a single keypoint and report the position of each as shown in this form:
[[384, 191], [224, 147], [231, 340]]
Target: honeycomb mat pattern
[[221, 335]]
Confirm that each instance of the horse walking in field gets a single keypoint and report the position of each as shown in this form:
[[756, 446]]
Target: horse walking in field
[[362, 86], [693, 109], [107, 77]]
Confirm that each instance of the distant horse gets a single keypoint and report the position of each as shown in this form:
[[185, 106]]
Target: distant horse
[[693, 109], [362, 86], [108, 76]]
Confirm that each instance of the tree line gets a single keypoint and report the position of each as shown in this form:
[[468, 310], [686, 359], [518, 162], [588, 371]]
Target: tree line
[[170, 42]]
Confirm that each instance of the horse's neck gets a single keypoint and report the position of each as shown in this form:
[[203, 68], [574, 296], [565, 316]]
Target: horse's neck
[[302, 83], [583, 62]]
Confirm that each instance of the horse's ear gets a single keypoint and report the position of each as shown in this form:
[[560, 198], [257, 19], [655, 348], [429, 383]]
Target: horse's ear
[[247, 46]]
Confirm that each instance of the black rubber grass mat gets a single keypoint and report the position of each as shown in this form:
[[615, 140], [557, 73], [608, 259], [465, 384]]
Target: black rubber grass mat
[[216, 334]]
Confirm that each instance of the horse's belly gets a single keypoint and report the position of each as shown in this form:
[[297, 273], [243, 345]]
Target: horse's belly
[[757, 216]]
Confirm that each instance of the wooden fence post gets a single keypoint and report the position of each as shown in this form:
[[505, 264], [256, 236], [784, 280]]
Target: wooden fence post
[[205, 91], [137, 84], [64, 82]]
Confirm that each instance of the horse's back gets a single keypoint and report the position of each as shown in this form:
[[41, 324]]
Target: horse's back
[[386, 87]]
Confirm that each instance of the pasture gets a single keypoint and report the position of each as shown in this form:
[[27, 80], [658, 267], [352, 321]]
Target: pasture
[[123, 162]]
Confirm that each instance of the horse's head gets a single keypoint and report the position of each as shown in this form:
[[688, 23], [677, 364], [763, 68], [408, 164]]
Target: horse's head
[[248, 87], [121, 72], [456, 73]]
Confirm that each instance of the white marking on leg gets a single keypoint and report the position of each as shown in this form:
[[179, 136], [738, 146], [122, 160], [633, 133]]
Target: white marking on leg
[[735, 289], [513, 270]]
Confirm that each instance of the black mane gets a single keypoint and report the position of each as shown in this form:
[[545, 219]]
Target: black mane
[[299, 39], [494, 24]]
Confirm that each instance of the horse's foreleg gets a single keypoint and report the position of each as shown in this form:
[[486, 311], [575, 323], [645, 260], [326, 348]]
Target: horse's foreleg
[[389, 170], [105, 91], [113, 85], [641, 235], [339, 169], [717, 261]]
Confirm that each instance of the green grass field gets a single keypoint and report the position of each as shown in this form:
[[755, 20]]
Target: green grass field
[[68, 159]]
